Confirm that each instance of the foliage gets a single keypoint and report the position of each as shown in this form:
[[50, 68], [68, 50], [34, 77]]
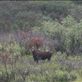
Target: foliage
[[27, 70], [46, 25]]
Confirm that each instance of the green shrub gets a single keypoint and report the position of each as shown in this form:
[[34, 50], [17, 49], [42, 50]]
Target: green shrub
[[63, 76]]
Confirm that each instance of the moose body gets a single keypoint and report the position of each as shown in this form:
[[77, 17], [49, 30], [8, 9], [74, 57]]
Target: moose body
[[39, 55]]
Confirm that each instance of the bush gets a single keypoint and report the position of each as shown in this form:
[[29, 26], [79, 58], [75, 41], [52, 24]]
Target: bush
[[63, 76]]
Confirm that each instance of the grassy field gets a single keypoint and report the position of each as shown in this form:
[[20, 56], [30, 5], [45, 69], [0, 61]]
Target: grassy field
[[59, 69]]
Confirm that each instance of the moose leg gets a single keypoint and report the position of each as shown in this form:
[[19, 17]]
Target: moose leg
[[49, 58], [36, 61]]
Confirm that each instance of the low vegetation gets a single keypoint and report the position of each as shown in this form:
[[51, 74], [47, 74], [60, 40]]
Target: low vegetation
[[15, 67], [46, 26]]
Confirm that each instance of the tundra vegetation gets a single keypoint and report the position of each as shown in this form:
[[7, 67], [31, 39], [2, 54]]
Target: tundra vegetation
[[53, 27]]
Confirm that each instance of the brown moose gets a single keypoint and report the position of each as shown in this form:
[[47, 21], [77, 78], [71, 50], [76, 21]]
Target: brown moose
[[39, 55]]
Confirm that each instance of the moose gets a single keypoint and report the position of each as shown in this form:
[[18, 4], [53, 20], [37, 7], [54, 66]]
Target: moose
[[39, 55]]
